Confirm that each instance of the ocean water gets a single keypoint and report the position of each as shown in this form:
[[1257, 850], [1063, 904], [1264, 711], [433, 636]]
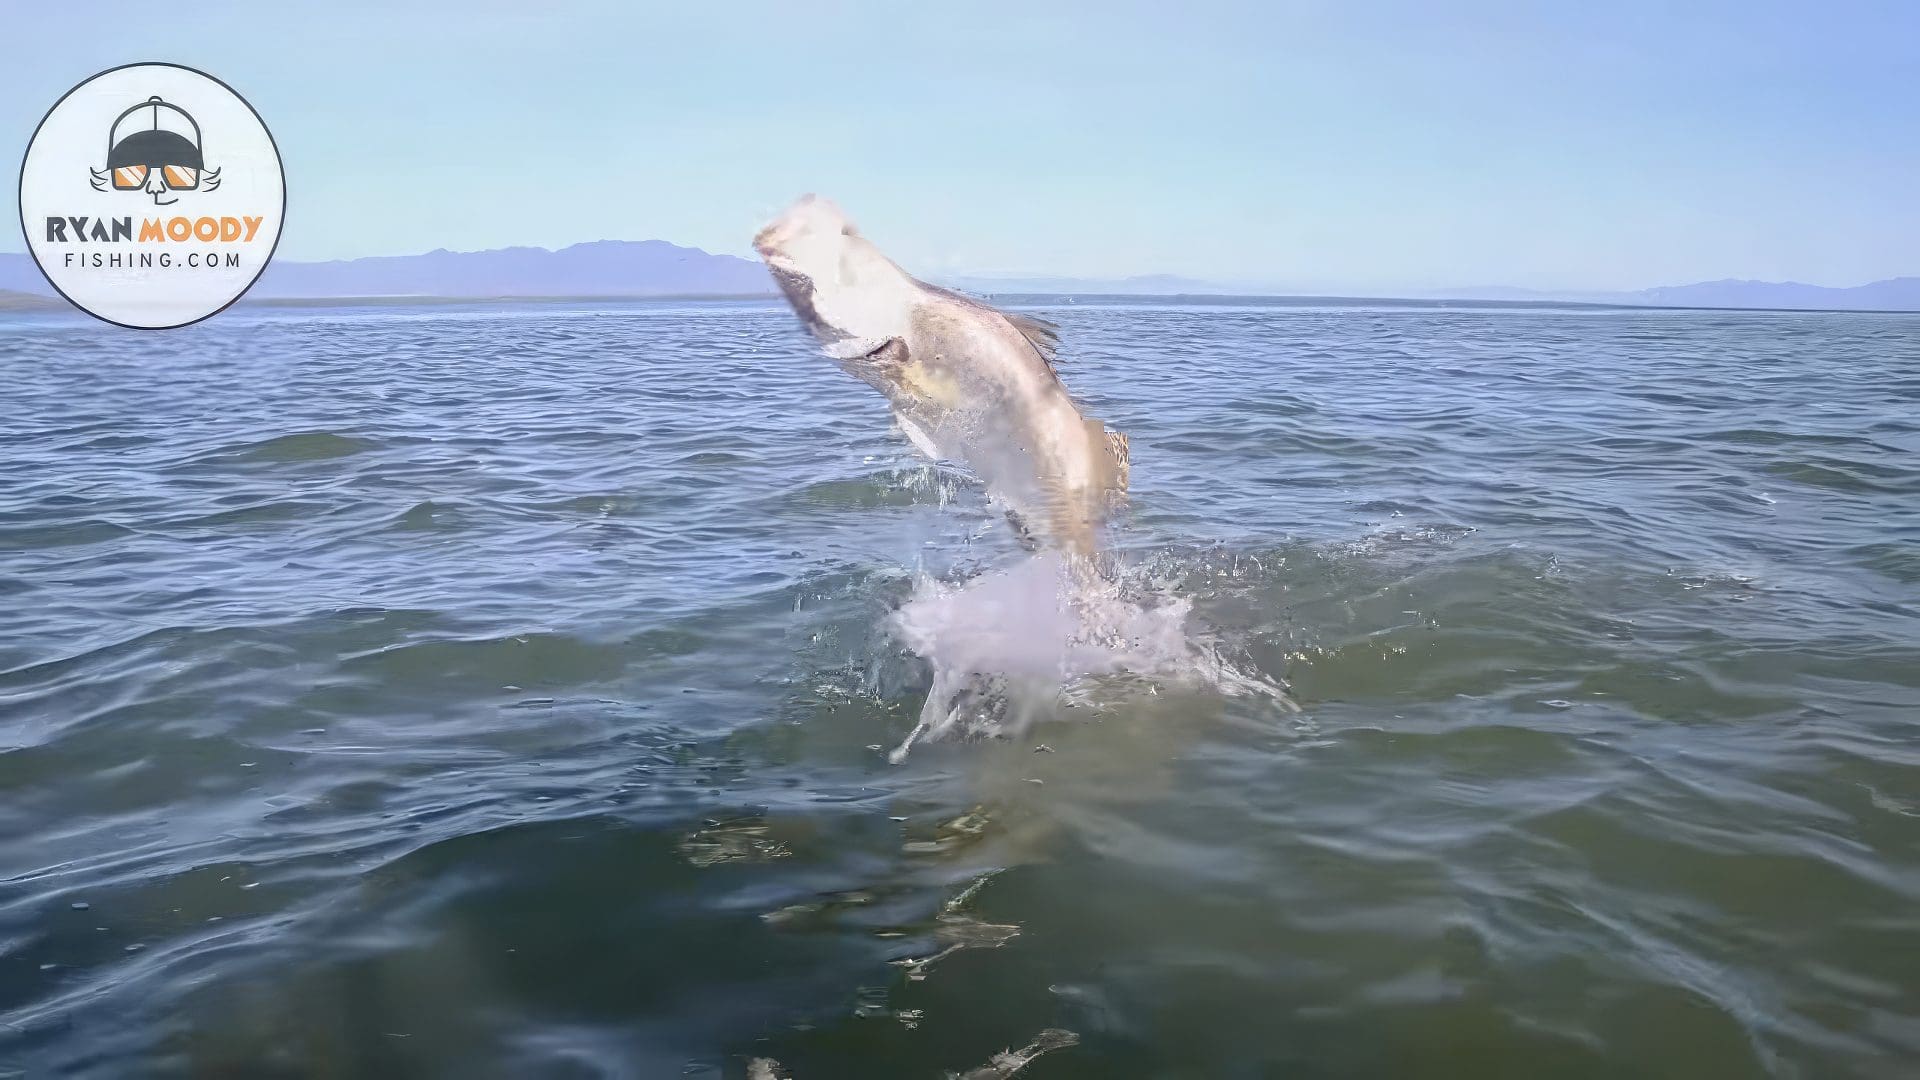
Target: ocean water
[[509, 691]]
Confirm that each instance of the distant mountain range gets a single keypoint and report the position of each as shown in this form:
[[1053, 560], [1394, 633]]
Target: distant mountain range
[[639, 268], [602, 268], [1893, 294], [11, 300]]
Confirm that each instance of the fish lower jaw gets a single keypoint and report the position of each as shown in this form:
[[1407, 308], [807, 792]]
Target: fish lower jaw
[[852, 348]]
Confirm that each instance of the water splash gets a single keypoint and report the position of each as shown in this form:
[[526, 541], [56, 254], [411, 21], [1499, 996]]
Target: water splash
[[1008, 646]]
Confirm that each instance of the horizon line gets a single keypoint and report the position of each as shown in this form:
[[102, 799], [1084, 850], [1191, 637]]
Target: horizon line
[[1456, 292], [47, 301]]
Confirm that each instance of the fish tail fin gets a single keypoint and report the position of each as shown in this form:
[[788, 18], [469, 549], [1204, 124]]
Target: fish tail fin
[[1110, 454]]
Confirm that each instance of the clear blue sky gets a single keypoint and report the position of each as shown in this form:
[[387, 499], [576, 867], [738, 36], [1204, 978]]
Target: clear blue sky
[[1305, 145]]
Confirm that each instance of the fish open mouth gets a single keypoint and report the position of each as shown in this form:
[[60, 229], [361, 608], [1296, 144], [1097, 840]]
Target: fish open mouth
[[798, 288]]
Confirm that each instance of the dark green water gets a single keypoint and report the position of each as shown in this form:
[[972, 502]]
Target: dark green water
[[504, 692]]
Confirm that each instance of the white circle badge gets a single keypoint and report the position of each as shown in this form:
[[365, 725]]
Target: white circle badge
[[152, 196]]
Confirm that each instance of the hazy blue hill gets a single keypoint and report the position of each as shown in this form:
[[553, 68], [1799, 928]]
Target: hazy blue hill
[[601, 268], [18, 300], [19, 275], [1898, 294]]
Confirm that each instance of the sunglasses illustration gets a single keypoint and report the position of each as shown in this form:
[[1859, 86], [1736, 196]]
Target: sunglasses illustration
[[177, 177], [155, 147]]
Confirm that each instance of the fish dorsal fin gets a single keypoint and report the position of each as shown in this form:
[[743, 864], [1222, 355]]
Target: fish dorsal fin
[[1042, 335]]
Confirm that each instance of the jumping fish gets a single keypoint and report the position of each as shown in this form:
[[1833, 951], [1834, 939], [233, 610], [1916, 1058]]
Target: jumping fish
[[967, 382]]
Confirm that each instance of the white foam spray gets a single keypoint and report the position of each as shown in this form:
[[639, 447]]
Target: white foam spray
[[1007, 645]]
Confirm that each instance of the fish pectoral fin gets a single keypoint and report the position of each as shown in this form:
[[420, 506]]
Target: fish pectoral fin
[[1110, 455], [918, 436]]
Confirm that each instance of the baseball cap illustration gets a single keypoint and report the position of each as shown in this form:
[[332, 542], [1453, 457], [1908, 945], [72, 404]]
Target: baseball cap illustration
[[155, 147]]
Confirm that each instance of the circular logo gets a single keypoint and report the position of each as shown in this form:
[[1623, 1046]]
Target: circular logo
[[152, 196]]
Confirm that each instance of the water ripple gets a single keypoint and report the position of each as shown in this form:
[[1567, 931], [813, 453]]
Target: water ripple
[[506, 689]]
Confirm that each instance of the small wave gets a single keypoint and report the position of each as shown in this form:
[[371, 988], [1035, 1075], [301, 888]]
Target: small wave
[[268, 512], [714, 458], [431, 516], [1901, 562], [63, 534], [301, 446], [1850, 477], [924, 486], [522, 660]]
